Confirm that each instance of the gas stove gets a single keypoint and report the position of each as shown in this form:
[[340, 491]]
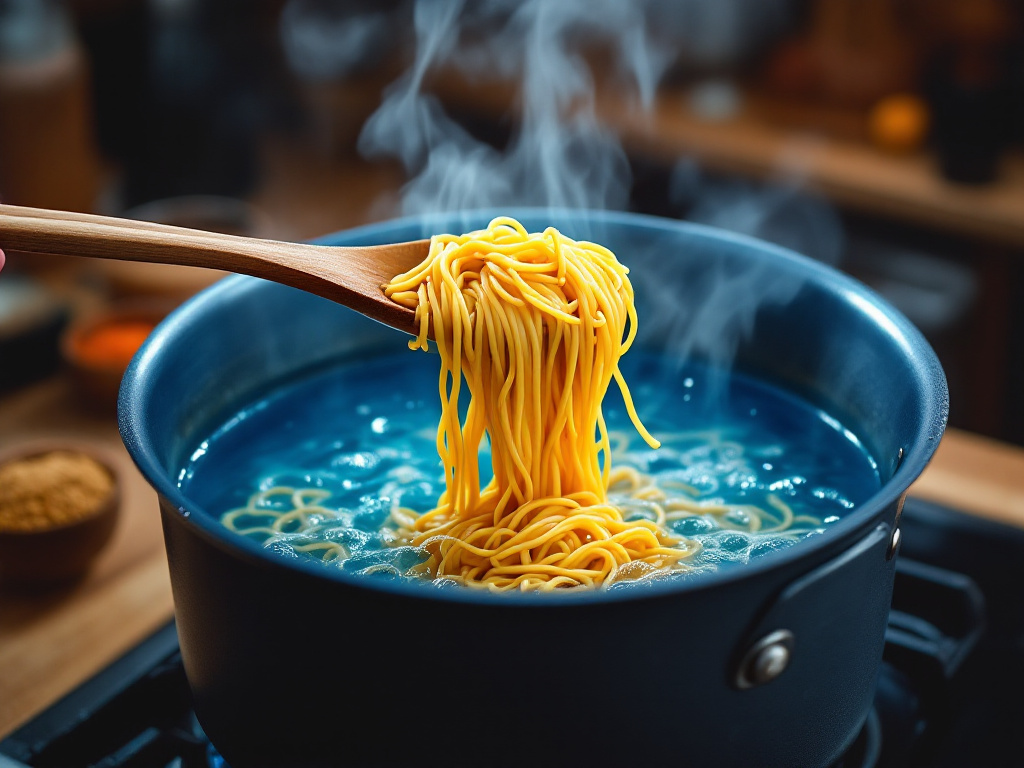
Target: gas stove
[[948, 691]]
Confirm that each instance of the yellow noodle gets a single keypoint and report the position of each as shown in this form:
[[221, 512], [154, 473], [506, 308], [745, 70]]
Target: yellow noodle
[[535, 324], [305, 507]]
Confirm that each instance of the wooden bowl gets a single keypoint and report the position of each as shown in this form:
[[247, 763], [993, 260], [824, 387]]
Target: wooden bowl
[[96, 380], [61, 552]]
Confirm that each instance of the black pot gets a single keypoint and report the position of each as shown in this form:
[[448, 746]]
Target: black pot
[[772, 664]]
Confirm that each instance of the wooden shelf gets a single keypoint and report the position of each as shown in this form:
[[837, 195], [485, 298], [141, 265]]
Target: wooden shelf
[[851, 173]]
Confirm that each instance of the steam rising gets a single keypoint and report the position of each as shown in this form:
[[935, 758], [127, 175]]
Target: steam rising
[[322, 41], [783, 212], [560, 155]]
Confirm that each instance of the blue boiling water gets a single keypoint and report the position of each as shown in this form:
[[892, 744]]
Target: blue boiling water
[[365, 431]]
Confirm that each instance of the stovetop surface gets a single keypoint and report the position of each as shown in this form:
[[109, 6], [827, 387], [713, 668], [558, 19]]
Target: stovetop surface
[[950, 692]]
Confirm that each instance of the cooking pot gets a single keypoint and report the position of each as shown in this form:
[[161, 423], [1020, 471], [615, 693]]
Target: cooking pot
[[769, 664]]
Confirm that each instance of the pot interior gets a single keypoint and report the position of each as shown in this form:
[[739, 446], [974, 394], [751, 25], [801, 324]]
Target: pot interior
[[700, 293]]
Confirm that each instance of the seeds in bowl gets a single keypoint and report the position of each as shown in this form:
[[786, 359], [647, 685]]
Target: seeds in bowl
[[50, 490]]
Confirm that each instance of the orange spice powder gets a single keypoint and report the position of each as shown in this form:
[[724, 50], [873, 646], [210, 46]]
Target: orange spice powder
[[113, 344]]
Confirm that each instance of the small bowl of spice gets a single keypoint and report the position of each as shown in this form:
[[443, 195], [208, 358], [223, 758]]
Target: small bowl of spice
[[98, 349], [58, 508]]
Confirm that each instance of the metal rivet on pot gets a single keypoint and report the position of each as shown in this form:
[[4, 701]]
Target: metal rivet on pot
[[766, 659], [894, 544]]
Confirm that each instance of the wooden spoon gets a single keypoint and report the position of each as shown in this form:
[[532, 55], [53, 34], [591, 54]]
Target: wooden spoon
[[353, 276]]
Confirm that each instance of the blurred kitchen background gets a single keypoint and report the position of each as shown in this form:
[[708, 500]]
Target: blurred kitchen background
[[882, 136]]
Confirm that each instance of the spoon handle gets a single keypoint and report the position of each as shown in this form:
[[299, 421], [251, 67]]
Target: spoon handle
[[37, 230], [349, 276]]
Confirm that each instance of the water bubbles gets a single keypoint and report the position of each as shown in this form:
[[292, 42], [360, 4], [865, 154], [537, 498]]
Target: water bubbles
[[637, 509], [360, 563], [692, 526], [742, 479], [695, 571], [630, 582], [373, 514], [276, 502], [770, 544], [389, 455], [372, 448], [420, 496], [405, 475], [360, 463], [733, 541], [738, 517], [340, 531], [730, 454], [318, 518], [702, 480], [714, 557], [787, 485], [397, 561], [284, 548]]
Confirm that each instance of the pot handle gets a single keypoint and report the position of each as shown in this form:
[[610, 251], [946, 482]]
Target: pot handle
[[841, 604]]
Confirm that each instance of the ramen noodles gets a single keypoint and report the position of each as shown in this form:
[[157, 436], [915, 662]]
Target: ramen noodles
[[539, 489]]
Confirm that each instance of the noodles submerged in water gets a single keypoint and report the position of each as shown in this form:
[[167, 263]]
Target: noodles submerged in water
[[533, 325]]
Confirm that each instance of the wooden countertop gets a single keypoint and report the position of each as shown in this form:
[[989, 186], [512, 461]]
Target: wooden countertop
[[51, 642]]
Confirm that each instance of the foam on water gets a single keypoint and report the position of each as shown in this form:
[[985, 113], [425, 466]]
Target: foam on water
[[363, 433]]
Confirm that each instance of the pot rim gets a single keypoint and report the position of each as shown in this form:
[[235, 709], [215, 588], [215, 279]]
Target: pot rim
[[134, 396]]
